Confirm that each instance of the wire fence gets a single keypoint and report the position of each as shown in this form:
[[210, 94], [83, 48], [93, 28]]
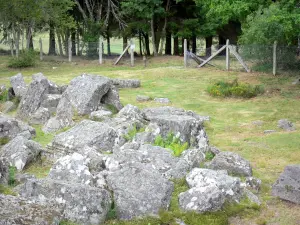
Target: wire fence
[[257, 57]]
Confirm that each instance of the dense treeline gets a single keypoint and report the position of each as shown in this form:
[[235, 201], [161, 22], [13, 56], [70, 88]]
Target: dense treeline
[[163, 24]]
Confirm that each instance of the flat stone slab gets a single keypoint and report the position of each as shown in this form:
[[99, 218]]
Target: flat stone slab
[[287, 186]]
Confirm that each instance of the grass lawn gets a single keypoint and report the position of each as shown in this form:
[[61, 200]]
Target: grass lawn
[[230, 127]]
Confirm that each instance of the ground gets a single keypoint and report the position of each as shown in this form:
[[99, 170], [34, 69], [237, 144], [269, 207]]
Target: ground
[[230, 127]]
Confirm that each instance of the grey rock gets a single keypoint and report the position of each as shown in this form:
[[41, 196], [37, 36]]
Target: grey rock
[[71, 169], [86, 91], [4, 171], [40, 117], [2, 88], [231, 162], [269, 131], [193, 157], [53, 88], [162, 100], [11, 127], [208, 199], [129, 118], [253, 183], [252, 197], [21, 178], [139, 192], [186, 125], [17, 210], [142, 98], [18, 84], [8, 107], [258, 123], [287, 186], [10, 94], [80, 203], [126, 83], [100, 115], [296, 82], [63, 117], [214, 150], [112, 98], [31, 101], [209, 190], [286, 125], [87, 133], [20, 152], [50, 102]]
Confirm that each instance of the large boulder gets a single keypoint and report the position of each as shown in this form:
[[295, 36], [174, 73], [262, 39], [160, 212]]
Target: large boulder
[[112, 98], [287, 186], [4, 171], [50, 102], [35, 94], [139, 191], [231, 162], [72, 169], [17, 210], [40, 117], [11, 127], [100, 115], [63, 118], [86, 91], [80, 203], [209, 190], [18, 84], [186, 125], [87, 133], [20, 152]]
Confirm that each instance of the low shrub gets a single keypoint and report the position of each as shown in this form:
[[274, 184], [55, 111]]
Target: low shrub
[[171, 142], [132, 132], [4, 96], [26, 59], [235, 89], [12, 176]]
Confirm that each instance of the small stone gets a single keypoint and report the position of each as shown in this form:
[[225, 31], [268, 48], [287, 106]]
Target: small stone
[[296, 82], [214, 150], [286, 125], [100, 115], [258, 123], [269, 131], [18, 85], [142, 98], [162, 100]]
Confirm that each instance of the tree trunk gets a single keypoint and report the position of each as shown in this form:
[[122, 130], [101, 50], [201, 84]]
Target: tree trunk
[[147, 44], [194, 44], [176, 46], [182, 46], [208, 45], [29, 38], [168, 48], [153, 36], [73, 37], [125, 44], [108, 45], [78, 42], [222, 42], [61, 52], [52, 47], [17, 43], [140, 42]]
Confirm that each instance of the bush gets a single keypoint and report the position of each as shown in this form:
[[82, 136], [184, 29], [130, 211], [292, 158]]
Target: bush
[[132, 132], [26, 59], [234, 89], [171, 142], [4, 96]]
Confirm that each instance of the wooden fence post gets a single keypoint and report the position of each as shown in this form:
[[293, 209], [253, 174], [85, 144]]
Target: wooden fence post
[[275, 58], [100, 51], [227, 55], [12, 47], [185, 53], [41, 49], [70, 49], [132, 47]]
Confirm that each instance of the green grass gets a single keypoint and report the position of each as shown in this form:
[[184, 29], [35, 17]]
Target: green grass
[[230, 127]]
